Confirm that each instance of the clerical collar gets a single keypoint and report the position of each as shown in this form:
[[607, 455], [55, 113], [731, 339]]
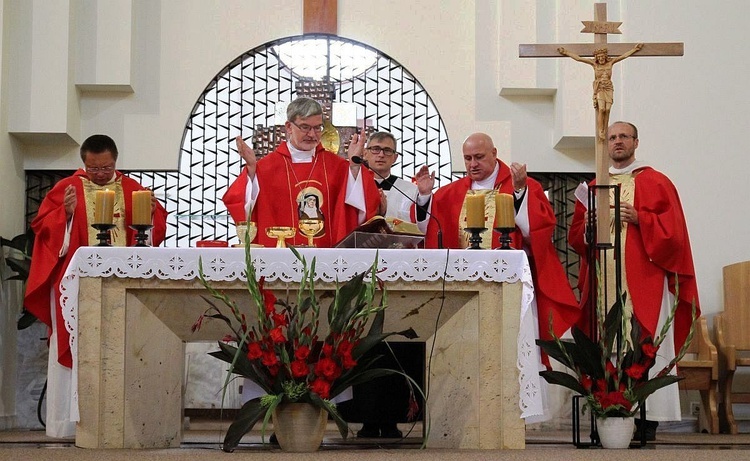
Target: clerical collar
[[489, 181], [300, 156], [636, 165], [386, 183]]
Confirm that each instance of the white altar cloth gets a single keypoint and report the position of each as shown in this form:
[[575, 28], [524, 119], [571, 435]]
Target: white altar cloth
[[228, 264]]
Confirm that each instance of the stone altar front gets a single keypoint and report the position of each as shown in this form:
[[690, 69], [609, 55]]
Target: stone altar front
[[130, 311]]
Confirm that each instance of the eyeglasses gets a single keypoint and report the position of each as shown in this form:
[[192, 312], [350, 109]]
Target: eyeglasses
[[387, 151], [621, 137], [106, 169], [308, 128]]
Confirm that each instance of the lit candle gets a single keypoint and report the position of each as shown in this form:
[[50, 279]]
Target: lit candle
[[142, 207], [104, 206], [475, 211], [504, 211]]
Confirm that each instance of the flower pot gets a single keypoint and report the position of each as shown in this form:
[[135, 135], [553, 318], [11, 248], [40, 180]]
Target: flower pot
[[615, 432], [299, 427]]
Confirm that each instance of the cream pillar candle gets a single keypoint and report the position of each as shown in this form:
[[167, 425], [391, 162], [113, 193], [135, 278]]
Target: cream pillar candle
[[475, 211], [104, 206], [504, 211], [142, 207]]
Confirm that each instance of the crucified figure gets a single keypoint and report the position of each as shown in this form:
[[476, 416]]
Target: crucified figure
[[603, 88]]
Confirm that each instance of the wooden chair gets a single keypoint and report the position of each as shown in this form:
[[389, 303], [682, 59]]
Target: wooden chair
[[700, 368], [732, 335]]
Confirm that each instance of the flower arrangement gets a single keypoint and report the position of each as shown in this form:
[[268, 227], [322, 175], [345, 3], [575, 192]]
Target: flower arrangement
[[613, 373], [286, 353]]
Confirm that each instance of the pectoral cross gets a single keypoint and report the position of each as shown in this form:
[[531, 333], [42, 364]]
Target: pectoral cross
[[603, 89]]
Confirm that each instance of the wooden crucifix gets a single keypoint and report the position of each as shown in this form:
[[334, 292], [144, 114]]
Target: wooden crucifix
[[605, 56]]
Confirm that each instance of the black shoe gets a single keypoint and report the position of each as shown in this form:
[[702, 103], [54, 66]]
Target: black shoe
[[647, 428], [390, 431], [369, 431]]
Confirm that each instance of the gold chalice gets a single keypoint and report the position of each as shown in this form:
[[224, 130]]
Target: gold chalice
[[246, 231], [280, 234], [310, 228]]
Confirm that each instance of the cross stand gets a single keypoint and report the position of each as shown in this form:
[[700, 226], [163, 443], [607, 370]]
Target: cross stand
[[105, 240], [475, 240], [504, 239], [140, 234], [597, 252]]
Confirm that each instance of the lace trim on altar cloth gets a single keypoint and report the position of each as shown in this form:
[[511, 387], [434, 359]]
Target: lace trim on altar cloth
[[227, 264]]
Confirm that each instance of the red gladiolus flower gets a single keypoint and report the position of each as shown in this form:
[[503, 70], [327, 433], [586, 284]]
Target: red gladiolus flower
[[636, 371], [273, 370], [345, 347], [299, 369], [280, 320], [321, 387], [649, 350], [197, 325], [254, 351], [327, 368], [277, 335], [611, 369], [327, 350], [302, 352], [587, 382], [348, 362], [269, 358], [615, 398]]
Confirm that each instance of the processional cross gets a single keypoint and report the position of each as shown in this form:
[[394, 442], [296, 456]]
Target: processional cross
[[605, 56]]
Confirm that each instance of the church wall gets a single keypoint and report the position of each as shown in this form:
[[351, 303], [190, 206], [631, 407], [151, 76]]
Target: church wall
[[691, 110]]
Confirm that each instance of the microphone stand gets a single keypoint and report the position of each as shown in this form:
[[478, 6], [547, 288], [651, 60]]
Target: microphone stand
[[360, 161]]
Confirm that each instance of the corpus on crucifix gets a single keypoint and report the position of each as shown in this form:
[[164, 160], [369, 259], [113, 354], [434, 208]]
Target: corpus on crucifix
[[603, 89], [605, 55]]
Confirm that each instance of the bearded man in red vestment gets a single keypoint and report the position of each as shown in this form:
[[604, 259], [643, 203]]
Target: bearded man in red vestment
[[657, 256], [273, 189], [535, 224], [61, 226]]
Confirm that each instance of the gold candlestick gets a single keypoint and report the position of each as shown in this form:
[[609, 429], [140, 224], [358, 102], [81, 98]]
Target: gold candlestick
[[310, 228]]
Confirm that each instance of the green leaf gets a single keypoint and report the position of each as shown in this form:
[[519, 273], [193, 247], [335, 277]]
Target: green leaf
[[642, 391], [248, 415], [27, 319], [563, 379], [331, 409], [587, 354]]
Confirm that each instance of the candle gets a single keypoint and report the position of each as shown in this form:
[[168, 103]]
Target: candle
[[104, 206], [475, 211], [142, 207], [504, 211]]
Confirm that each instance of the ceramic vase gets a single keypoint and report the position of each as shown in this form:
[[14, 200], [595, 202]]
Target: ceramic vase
[[615, 432], [299, 427]]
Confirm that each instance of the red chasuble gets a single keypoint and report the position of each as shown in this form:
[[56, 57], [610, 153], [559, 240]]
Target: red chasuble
[[553, 293], [656, 248], [47, 267], [290, 191]]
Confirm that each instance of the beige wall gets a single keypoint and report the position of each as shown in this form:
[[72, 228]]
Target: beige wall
[[691, 111]]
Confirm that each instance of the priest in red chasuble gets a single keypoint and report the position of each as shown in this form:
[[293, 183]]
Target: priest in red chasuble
[[657, 256], [61, 226], [535, 224], [300, 179]]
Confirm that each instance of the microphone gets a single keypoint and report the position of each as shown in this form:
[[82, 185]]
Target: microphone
[[360, 161]]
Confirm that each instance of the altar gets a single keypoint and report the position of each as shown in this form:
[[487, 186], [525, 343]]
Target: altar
[[130, 310]]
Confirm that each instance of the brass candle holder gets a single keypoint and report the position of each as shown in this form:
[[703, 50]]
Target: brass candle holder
[[310, 228], [476, 238], [140, 234], [280, 233], [105, 240], [504, 239]]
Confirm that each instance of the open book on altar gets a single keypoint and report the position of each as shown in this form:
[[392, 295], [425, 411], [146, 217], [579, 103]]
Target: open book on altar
[[380, 232]]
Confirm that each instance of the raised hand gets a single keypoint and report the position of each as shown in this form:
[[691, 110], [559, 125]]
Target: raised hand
[[70, 201], [518, 173], [248, 155], [425, 180]]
